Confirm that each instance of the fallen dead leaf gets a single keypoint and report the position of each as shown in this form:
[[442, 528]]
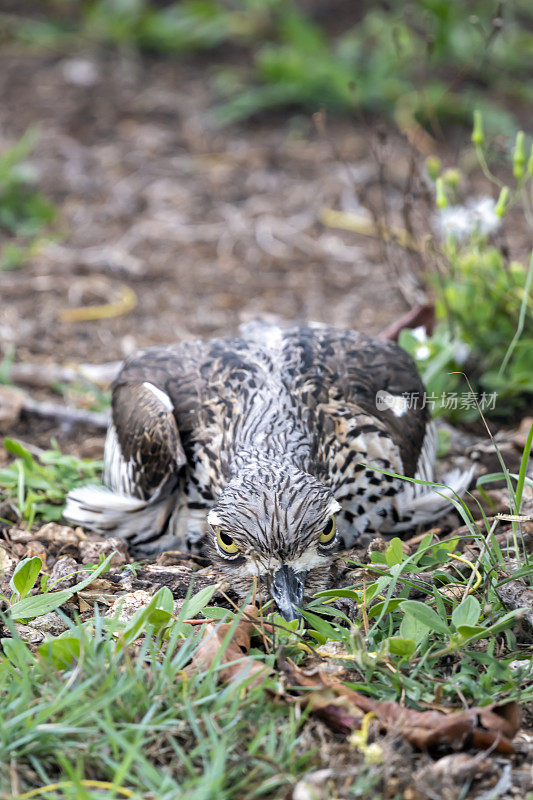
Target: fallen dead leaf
[[235, 655], [342, 709], [103, 585], [36, 548], [97, 596]]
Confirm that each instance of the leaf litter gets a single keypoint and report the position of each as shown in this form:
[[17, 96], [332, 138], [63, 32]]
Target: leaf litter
[[343, 709]]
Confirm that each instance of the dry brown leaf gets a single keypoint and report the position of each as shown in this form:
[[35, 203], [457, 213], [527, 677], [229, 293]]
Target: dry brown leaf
[[36, 548], [103, 585], [342, 709], [236, 651]]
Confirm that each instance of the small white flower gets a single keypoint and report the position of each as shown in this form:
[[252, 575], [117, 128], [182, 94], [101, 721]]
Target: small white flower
[[420, 333], [484, 217], [453, 221], [478, 215], [422, 352], [80, 72]]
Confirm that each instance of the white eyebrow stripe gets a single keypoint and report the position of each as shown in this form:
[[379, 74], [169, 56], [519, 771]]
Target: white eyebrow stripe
[[160, 394]]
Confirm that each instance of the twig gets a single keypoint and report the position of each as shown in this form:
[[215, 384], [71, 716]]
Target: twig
[[45, 375], [71, 416], [365, 227], [422, 315], [126, 302], [501, 788]]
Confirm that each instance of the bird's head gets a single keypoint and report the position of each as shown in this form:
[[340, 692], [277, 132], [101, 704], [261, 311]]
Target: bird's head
[[276, 524]]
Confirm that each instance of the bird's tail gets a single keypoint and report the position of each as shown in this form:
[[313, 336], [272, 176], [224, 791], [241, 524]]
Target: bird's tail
[[419, 503], [139, 522]]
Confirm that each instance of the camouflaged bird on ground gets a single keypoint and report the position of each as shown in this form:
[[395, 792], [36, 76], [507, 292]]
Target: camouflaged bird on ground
[[268, 452]]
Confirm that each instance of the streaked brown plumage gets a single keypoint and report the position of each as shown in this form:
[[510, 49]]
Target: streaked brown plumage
[[260, 440]]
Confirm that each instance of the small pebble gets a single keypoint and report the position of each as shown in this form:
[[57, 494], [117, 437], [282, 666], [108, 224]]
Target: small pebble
[[80, 72]]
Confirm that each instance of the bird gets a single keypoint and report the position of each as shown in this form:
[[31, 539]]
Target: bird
[[269, 452]]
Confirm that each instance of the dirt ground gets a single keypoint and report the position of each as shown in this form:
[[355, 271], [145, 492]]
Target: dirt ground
[[208, 228]]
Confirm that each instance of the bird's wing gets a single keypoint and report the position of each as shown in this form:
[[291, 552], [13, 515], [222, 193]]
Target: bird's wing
[[367, 375], [174, 405], [143, 447], [151, 396]]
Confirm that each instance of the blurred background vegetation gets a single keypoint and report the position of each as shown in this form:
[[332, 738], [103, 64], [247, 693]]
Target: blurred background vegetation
[[431, 59]]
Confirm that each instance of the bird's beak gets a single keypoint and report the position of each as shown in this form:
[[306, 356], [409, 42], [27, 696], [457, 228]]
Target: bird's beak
[[288, 590]]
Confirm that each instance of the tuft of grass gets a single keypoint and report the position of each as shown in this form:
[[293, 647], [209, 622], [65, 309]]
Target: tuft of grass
[[129, 716], [38, 485], [381, 63]]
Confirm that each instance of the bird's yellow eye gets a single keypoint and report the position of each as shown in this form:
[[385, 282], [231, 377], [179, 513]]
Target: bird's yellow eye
[[225, 543], [328, 532]]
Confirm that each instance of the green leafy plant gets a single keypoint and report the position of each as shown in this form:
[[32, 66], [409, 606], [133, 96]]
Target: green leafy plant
[[380, 63], [24, 211], [413, 61], [38, 485], [403, 644], [484, 305], [178, 27], [24, 579], [404, 649], [25, 576]]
